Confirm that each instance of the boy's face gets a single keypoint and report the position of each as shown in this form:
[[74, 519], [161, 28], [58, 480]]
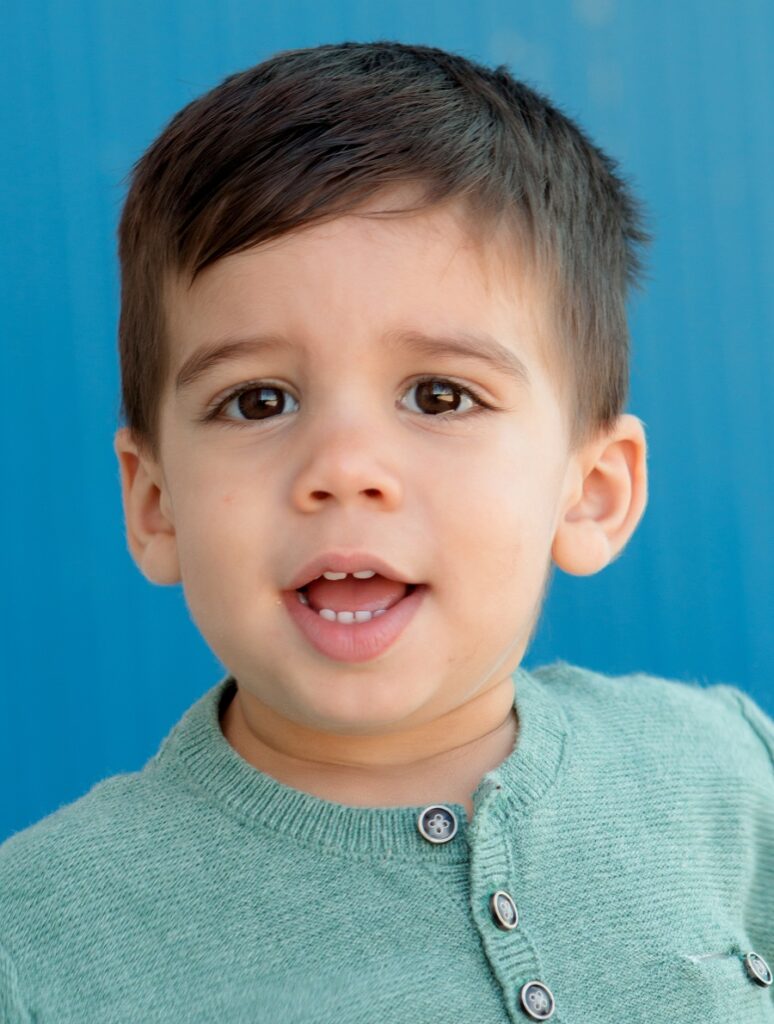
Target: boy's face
[[467, 502]]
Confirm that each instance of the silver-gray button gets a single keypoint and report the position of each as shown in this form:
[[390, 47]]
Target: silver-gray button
[[504, 911], [537, 1000], [758, 969], [437, 823]]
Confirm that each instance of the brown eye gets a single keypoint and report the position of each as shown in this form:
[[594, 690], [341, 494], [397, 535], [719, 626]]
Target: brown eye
[[258, 402], [436, 396]]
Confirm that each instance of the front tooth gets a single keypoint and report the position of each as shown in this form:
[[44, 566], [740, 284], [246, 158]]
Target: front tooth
[[349, 617], [364, 574]]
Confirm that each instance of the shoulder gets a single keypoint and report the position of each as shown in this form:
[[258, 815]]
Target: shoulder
[[65, 832], [686, 723], [57, 842], [64, 868]]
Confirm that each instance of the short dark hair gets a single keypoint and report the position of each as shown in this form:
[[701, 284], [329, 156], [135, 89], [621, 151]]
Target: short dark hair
[[311, 134]]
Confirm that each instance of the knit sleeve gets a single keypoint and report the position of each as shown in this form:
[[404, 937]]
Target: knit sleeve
[[755, 744], [12, 1009]]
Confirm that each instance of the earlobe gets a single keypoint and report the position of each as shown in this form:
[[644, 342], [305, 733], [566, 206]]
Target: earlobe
[[150, 531], [609, 492]]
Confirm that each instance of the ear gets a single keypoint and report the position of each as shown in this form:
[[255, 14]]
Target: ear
[[150, 531], [605, 497]]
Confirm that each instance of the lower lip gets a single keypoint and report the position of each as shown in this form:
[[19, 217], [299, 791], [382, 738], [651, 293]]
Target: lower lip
[[356, 641]]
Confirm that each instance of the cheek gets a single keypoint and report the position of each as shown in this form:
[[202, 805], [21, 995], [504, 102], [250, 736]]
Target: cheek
[[228, 569], [221, 537], [503, 497], [494, 528]]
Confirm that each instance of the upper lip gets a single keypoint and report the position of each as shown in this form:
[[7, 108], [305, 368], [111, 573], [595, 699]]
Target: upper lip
[[340, 561]]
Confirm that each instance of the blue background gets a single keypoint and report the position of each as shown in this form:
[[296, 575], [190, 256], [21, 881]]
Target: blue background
[[96, 664]]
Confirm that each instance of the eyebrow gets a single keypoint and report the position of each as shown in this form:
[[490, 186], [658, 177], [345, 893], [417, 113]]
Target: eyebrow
[[472, 345]]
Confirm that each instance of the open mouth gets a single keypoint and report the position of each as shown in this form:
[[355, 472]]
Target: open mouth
[[353, 600]]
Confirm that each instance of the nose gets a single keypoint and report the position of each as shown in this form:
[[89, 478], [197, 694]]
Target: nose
[[348, 467]]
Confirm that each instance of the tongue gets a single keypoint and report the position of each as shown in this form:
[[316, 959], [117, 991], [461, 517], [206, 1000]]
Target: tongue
[[354, 595]]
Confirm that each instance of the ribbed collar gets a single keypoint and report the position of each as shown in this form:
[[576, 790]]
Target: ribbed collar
[[197, 748]]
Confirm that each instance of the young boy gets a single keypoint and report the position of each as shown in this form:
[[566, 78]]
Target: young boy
[[374, 360]]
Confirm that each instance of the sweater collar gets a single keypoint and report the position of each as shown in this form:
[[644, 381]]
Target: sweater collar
[[197, 752]]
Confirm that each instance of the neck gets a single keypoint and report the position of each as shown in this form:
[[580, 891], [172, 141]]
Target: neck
[[439, 761]]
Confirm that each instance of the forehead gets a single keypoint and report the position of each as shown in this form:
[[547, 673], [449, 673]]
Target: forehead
[[365, 275]]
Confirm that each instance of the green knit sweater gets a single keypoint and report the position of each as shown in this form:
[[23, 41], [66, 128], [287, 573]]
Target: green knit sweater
[[631, 833]]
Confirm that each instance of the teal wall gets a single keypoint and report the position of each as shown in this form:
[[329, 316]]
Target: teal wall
[[95, 663]]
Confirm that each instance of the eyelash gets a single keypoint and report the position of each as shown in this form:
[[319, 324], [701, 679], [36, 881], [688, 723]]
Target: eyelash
[[216, 408]]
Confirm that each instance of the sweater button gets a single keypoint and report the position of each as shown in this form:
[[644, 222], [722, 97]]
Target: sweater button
[[437, 824], [504, 912], [537, 1000], [758, 969]]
